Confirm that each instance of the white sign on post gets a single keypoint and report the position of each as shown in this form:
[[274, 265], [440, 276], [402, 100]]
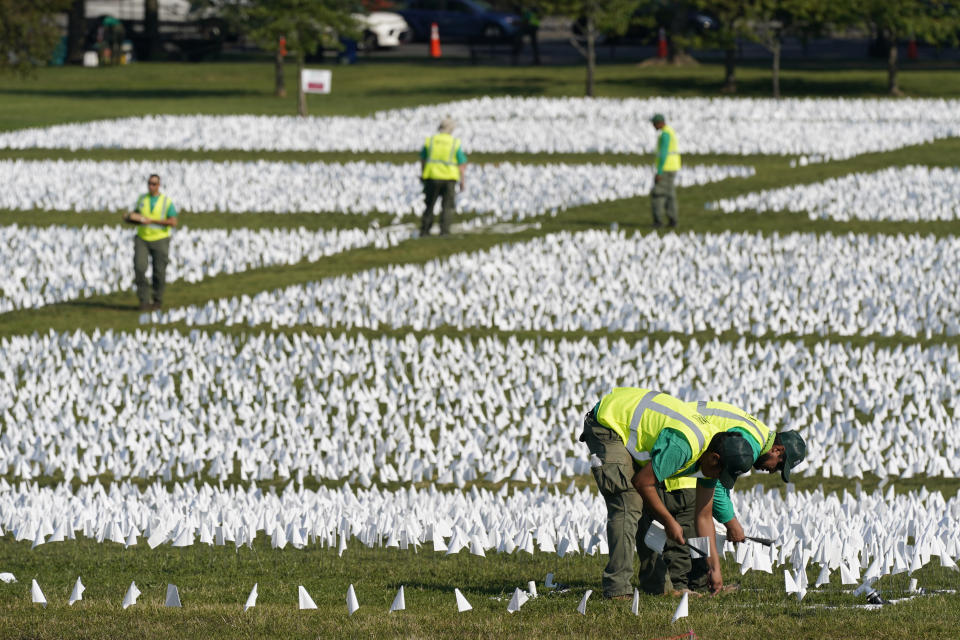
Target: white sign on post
[[315, 80]]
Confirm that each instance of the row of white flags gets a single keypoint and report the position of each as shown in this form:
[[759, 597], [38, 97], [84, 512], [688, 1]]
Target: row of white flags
[[305, 601]]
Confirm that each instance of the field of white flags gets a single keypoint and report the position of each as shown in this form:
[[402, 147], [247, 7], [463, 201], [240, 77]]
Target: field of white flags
[[799, 283], [46, 265], [857, 537], [899, 193], [504, 191], [819, 128], [340, 408]]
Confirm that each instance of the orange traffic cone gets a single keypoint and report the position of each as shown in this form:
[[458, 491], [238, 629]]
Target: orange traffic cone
[[434, 40]]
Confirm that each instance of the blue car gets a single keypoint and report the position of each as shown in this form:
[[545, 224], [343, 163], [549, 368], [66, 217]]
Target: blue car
[[458, 19]]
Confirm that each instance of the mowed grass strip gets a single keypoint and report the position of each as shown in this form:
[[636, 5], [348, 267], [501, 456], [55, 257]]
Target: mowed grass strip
[[214, 583], [72, 94]]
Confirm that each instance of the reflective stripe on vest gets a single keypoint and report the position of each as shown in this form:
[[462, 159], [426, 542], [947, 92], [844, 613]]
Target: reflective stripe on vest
[[741, 419], [151, 233], [647, 403], [672, 162], [624, 411], [441, 162]]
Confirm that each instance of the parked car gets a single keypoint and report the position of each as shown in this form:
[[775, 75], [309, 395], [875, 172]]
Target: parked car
[[458, 19], [382, 29]]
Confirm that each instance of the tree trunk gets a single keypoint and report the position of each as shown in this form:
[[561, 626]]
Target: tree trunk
[[892, 87], [591, 53], [76, 31], [776, 67], [280, 89], [730, 70], [151, 28], [301, 97]]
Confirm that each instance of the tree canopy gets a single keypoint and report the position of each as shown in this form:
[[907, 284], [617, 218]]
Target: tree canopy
[[28, 33]]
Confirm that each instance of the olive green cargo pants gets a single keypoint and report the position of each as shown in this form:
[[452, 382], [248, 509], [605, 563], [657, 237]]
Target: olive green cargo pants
[[674, 569]]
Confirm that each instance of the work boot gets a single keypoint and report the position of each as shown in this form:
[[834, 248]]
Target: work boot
[[672, 223]]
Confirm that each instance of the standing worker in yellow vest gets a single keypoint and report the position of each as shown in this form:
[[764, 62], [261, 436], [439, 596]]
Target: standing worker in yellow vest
[[663, 197], [771, 451], [637, 439], [155, 215], [442, 165]]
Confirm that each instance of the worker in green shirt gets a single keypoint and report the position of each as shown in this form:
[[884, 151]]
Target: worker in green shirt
[[442, 165], [154, 215], [771, 451], [663, 197], [637, 439]]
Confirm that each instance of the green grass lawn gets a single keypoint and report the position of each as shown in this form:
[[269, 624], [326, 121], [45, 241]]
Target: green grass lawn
[[60, 95], [214, 581]]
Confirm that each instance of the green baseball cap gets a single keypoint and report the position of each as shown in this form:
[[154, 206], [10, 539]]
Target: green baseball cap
[[736, 456], [658, 117], [794, 451]]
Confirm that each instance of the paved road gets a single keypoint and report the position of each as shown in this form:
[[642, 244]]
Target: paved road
[[556, 49]]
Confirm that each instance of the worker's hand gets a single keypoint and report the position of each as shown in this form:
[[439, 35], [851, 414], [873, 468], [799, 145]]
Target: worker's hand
[[715, 580], [656, 178], [463, 186], [734, 531], [674, 531]]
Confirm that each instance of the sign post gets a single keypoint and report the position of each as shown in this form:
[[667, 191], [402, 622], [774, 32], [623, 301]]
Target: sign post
[[313, 81]]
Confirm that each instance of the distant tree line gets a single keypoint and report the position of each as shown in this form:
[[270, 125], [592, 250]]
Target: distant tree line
[[29, 32]]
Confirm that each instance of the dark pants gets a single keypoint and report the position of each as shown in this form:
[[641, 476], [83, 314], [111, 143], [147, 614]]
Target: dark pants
[[445, 190], [158, 252], [674, 569], [663, 198], [624, 505]]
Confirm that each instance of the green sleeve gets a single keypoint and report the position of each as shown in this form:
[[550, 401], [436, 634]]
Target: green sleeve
[[171, 210], [722, 506], [423, 153], [461, 156], [669, 454], [663, 149]]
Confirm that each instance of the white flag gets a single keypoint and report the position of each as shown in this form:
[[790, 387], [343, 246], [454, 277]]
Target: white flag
[[77, 593], [252, 598], [352, 604], [399, 604], [681, 611], [462, 604]]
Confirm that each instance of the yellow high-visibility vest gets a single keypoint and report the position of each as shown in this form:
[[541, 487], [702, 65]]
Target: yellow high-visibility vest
[[441, 163], [639, 415], [672, 162], [728, 416], [151, 232]]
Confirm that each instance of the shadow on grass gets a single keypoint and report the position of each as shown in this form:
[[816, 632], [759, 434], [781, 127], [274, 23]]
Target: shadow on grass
[[101, 304], [512, 86], [757, 86], [100, 93]]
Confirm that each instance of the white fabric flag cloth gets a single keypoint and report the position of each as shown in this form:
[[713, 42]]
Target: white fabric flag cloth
[[789, 583], [131, 596], [399, 603], [252, 598], [462, 604], [582, 607], [352, 604], [824, 577], [306, 602], [635, 607], [519, 597], [656, 537], [699, 547], [549, 583], [682, 608], [532, 588], [77, 593], [173, 596], [36, 595], [7, 577]]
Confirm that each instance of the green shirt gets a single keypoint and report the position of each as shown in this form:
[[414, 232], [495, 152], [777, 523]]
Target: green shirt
[[461, 156], [663, 150], [671, 452], [171, 210], [722, 506]]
